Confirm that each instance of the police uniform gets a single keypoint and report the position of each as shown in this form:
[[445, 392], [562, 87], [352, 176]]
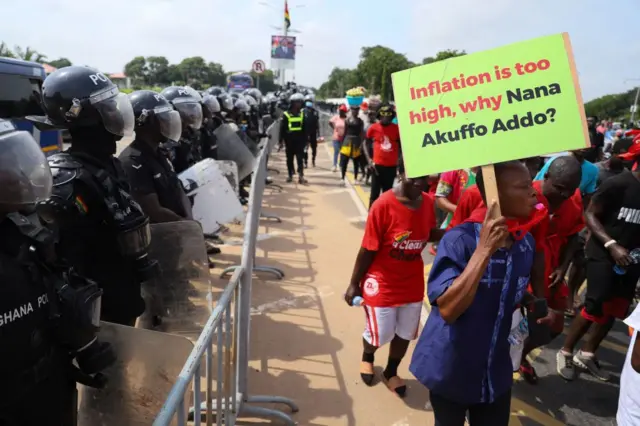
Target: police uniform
[[312, 127], [35, 363], [292, 131], [103, 233]]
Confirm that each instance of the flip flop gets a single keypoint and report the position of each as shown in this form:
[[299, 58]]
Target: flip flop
[[366, 372], [396, 385]]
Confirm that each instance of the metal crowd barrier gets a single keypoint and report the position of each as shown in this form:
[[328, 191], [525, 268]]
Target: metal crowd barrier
[[228, 328]]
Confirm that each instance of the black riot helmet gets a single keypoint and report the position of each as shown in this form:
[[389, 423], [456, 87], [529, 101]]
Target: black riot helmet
[[155, 116], [187, 104], [241, 105], [226, 102], [250, 100], [255, 94], [215, 90], [210, 105], [25, 178], [77, 96]]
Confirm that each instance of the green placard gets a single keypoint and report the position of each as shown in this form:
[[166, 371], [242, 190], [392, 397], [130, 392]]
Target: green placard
[[508, 103]]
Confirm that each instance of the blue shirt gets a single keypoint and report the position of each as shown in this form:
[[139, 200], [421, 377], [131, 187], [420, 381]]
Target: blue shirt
[[589, 180], [468, 362]]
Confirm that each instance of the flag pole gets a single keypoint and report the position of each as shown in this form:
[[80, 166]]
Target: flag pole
[[286, 30]]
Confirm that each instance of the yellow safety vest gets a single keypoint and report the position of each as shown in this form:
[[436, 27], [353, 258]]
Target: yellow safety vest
[[295, 122]]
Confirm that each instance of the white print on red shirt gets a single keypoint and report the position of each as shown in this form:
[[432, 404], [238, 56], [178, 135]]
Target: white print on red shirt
[[371, 287]]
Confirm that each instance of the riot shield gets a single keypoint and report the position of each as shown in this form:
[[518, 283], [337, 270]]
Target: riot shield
[[249, 143], [178, 300], [139, 382], [267, 120], [229, 170], [273, 133], [232, 148], [215, 203]]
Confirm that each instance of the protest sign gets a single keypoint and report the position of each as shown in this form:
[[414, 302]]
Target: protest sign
[[513, 102]]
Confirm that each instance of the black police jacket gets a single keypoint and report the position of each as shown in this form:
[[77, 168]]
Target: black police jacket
[[29, 352], [89, 206], [208, 142]]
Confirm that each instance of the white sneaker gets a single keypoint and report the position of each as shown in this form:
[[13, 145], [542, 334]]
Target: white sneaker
[[343, 182], [335, 169]]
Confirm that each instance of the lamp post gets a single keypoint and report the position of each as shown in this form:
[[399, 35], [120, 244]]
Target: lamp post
[[634, 108]]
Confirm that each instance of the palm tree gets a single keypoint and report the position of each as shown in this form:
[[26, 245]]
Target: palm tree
[[5, 51], [30, 54]]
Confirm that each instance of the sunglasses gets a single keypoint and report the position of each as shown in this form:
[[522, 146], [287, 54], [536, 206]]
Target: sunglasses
[[386, 113]]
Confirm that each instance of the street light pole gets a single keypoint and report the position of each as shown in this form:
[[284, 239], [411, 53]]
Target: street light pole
[[634, 108]]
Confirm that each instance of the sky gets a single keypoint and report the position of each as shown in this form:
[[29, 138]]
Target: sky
[[106, 35]]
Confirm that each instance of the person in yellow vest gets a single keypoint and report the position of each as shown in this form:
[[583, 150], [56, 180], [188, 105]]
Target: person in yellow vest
[[293, 136]]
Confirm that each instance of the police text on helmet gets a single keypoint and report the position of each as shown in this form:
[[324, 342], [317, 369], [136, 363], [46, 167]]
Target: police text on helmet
[[98, 77]]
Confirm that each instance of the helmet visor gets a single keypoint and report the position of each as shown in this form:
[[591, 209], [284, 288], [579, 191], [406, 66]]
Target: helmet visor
[[211, 103], [25, 177], [190, 113], [116, 113], [226, 103], [170, 123]]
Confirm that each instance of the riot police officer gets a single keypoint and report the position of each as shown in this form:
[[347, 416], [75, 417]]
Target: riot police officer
[[187, 151], [293, 136], [103, 233], [154, 183], [212, 120], [312, 127], [39, 333]]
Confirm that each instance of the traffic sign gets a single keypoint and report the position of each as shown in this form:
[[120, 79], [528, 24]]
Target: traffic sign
[[258, 66]]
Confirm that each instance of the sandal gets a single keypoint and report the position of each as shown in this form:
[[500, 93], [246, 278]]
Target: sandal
[[367, 373], [529, 373], [396, 385]]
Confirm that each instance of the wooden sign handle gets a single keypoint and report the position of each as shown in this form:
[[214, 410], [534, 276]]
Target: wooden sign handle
[[491, 188]]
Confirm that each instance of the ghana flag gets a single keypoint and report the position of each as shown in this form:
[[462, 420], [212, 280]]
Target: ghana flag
[[287, 17]]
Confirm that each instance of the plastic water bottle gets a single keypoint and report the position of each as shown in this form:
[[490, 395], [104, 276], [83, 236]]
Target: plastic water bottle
[[635, 255], [357, 301]]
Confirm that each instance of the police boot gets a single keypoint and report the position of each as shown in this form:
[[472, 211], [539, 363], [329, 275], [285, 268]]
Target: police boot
[[290, 179]]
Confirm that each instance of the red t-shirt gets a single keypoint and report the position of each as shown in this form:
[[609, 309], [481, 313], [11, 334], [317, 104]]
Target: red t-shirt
[[468, 202], [566, 221], [386, 143], [398, 235]]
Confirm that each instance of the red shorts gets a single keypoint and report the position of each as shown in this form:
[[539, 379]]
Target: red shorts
[[617, 307]]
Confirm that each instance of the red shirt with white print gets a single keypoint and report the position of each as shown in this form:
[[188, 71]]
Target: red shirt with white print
[[398, 235]]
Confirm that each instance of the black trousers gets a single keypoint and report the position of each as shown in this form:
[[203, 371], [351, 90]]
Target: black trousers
[[344, 162], [381, 181], [294, 149], [449, 413], [313, 143]]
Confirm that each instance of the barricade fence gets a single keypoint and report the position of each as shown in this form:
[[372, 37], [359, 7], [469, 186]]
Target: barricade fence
[[223, 344]]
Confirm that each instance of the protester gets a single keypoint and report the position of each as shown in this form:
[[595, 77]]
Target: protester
[[351, 144], [386, 155], [629, 400], [613, 219], [559, 193], [462, 355], [450, 187], [589, 180], [389, 275], [337, 123], [594, 153]]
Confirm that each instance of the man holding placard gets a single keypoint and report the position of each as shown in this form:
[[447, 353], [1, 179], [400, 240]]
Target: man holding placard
[[494, 107]]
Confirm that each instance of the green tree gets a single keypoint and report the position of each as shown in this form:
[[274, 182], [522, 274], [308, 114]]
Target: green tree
[[193, 70], [60, 63], [29, 54], [267, 81], [136, 69], [6, 51], [157, 70], [615, 107], [442, 55], [376, 65], [216, 76], [340, 80]]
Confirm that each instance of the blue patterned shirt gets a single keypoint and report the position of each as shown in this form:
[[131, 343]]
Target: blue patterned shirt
[[468, 361]]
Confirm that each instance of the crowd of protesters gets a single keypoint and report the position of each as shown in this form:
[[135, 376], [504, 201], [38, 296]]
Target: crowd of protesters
[[507, 271]]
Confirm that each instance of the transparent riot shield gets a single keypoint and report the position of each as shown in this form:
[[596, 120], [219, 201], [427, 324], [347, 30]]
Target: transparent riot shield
[[178, 301], [229, 170], [232, 148], [215, 203], [249, 143], [139, 382], [273, 135]]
